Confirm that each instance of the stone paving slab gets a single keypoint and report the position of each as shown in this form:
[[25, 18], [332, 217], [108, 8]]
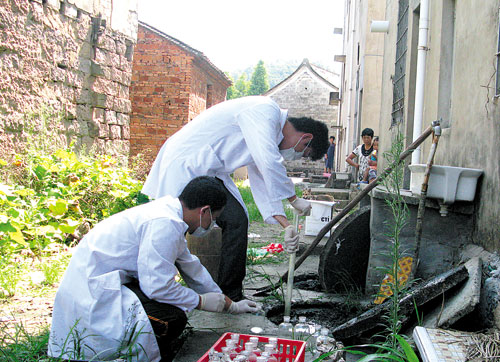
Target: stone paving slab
[[460, 304]]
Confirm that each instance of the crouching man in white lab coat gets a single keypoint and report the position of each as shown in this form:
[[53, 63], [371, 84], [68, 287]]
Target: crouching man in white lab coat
[[252, 132], [119, 298]]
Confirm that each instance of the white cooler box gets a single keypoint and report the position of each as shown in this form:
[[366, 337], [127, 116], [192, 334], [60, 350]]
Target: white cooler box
[[321, 214]]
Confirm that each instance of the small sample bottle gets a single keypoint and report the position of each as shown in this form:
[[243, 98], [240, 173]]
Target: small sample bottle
[[271, 351], [249, 353], [256, 349], [236, 338], [213, 356], [324, 343], [311, 343], [301, 330], [285, 329]]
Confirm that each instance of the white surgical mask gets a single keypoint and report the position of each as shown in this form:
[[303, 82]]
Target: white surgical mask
[[291, 155], [201, 231]]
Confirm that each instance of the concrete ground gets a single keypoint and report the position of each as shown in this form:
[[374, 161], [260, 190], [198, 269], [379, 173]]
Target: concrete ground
[[207, 328]]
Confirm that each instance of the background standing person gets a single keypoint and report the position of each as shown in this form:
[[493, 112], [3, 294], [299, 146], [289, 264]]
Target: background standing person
[[330, 156], [119, 291], [249, 131], [362, 153]]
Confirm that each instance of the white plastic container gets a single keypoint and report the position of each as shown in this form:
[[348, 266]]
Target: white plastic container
[[447, 183], [321, 214]]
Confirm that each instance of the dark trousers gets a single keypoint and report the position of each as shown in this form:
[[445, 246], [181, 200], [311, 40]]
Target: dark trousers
[[232, 267], [167, 321]]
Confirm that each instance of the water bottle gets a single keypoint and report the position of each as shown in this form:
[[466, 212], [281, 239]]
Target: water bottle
[[249, 353], [324, 343], [311, 343], [285, 329], [271, 352], [213, 356], [301, 330], [236, 338], [256, 349]]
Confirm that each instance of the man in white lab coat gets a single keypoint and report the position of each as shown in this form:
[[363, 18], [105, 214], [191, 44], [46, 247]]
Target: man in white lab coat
[[119, 291], [249, 131]]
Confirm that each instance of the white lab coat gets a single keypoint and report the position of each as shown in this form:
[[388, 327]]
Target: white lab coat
[[229, 135], [146, 243]]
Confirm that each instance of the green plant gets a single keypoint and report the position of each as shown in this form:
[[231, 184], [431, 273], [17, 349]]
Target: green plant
[[59, 193], [394, 346], [278, 290], [400, 214], [10, 275], [53, 269], [246, 194], [402, 352], [19, 345]]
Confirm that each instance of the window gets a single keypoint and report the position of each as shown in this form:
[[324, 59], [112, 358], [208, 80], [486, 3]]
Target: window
[[400, 71]]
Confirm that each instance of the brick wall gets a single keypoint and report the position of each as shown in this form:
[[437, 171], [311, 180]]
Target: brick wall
[[206, 90], [170, 86], [60, 62], [159, 92]]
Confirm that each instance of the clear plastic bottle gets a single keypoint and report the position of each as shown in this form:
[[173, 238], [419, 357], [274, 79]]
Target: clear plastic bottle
[[262, 359], [240, 358], [271, 351], [236, 338], [324, 343], [213, 356], [231, 343], [301, 330], [226, 354], [311, 343], [257, 350], [273, 340], [249, 353], [285, 329]]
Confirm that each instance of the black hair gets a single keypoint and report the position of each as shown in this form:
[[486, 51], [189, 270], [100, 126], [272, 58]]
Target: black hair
[[318, 129], [204, 190], [332, 137], [367, 132]]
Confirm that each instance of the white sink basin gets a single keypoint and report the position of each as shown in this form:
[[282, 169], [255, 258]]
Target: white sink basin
[[447, 183]]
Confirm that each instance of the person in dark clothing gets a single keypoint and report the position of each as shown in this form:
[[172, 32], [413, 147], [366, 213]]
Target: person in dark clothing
[[330, 156]]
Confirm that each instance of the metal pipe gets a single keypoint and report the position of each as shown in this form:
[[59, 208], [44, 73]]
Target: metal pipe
[[423, 28], [423, 196]]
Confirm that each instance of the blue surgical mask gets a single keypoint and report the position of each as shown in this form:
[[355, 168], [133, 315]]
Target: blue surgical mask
[[201, 231], [291, 155]]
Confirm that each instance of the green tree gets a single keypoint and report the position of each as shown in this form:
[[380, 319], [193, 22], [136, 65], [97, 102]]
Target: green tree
[[259, 83], [239, 88], [242, 85], [231, 91]]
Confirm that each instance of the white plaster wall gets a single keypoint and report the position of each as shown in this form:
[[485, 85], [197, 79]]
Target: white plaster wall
[[471, 140]]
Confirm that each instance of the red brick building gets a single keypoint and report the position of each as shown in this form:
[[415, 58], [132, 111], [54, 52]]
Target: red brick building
[[171, 84]]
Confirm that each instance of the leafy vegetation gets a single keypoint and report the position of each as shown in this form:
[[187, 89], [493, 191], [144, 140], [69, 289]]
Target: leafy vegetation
[[257, 85], [54, 195]]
